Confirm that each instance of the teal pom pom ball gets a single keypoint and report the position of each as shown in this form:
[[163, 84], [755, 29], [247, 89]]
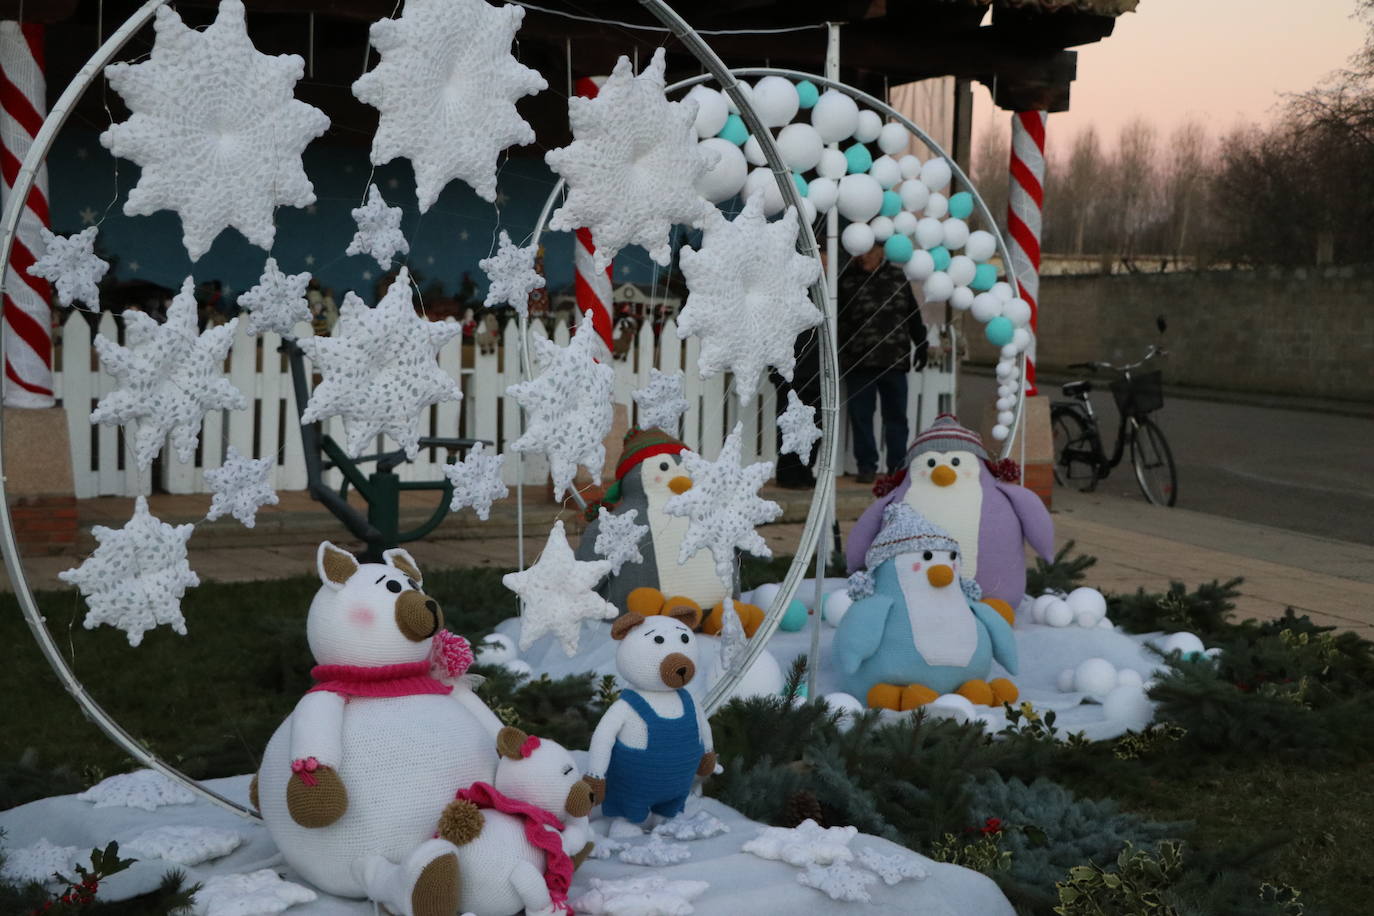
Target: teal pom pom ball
[[898, 249], [858, 157], [999, 331], [800, 182], [807, 94], [961, 205], [984, 276], [794, 618], [892, 203], [940, 255], [734, 130]]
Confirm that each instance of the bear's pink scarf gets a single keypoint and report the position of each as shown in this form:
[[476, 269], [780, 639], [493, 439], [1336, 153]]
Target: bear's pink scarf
[[405, 680], [558, 866]]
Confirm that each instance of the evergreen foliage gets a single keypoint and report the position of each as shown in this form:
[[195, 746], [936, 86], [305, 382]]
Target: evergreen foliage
[[1203, 611], [1062, 574]]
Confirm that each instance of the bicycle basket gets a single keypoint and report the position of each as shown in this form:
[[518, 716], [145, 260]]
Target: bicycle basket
[[1142, 393]]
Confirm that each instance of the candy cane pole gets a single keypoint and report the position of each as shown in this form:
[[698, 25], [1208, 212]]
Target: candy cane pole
[[1025, 200], [593, 286]]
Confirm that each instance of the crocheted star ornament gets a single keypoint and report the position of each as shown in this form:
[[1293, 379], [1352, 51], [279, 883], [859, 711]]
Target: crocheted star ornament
[[476, 481], [380, 369], [446, 91], [568, 407], [215, 129], [512, 275], [556, 593], [136, 577], [661, 402], [798, 426], [277, 303], [747, 296], [168, 378], [379, 230], [70, 263], [632, 166], [241, 486], [723, 506], [618, 538]]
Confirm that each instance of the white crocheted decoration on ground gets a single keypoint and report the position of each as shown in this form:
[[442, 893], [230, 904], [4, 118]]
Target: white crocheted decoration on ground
[[557, 593], [798, 427], [446, 90], [650, 896], [892, 869], [379, 230], [69, 262], [277, 302], [137, 576], [147, 790], [747, 296], [618, 538], [568, 408], [258, 893], [661, 402], [40, 861], [808, 843], [476, 481], [512, 275], [656, 852], [182, 844], [241, 486], [215, 129], [699, 826], [380, 369], [168, 377], [839, 882], [723, 506], [632, 166]]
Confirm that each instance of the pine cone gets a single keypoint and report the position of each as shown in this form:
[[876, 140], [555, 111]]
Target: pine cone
[[800, 806]]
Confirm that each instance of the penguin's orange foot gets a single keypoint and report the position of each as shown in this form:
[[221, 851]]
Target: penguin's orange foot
[[914, 696], [885, 696], [645, 601], [750, 617], [976, 692], [1004, 691], [1001, 607]]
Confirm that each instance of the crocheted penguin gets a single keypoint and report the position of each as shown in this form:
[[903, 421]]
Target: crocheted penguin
[[916, 629], [353, 783], [948, 482], [648, 475]]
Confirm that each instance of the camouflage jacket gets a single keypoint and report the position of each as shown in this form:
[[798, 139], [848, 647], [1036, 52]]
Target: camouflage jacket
[[879, 319]]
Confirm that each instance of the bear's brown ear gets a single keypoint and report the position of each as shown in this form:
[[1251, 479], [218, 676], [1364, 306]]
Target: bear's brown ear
[[509, 740], [399, 558], [335, 565], [625, 623], [686, 613]]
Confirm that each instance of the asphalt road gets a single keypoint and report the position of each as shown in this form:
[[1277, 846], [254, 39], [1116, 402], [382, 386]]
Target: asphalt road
[[1300, 470]]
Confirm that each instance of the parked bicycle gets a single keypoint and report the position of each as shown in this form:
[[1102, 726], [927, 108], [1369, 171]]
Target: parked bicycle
[[1079, 452]]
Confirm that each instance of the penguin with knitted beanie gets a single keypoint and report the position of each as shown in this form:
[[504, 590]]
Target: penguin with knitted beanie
[[648, 475]]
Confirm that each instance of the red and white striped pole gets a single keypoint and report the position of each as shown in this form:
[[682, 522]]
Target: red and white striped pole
[[1025, 199], [28, 332], [593, 287]]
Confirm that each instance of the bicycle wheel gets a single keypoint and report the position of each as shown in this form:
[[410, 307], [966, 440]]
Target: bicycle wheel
[[1153, 463], [1072, 443]]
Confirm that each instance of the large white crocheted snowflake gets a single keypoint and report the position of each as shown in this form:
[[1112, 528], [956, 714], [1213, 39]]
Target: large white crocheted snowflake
[[136, 577], [379, 230], [798, 426], [618, 538], [557, 593], [808, 843], [653, 894], [182, 844], [476, 481], [277, 303], [632, 166], [723, 506], [70, 263], [241, 486], [215, 129], [446, 90], [380, 369], [747, 296], [169, 377], [661, 402], [512, 275], [257, 893], [568, 407]]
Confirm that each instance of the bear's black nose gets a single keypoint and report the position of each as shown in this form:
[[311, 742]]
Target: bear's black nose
[[432, 606]]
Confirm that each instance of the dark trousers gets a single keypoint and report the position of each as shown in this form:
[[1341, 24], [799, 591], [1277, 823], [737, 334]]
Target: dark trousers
[[866, 386]]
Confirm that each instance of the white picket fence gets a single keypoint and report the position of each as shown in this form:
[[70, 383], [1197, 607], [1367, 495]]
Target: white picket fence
[[103, 466]]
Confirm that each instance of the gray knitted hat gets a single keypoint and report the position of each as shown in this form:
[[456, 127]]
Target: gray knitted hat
[[904, 531], [946, 434]]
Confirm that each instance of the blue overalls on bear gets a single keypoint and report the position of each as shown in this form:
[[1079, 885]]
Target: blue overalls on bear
[[659, 777]]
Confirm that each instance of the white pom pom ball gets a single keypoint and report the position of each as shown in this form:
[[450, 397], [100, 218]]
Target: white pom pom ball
[[497, 649], [860, 198], [914, 195], [808, 210], [1020, 338], [1038, 606], [1000, 432], [956, 234], [857, 238], [1003, 371], [961, 268], [763, 679], [775, 100], [1129, 704], [761, 181], [1129, 677], [882, 228], [1065, 681], [822, 192], [1009, 352], [712, 110], [1089, 601], [892, 139], [1186, 643], [834, 116], [1005, 417], [904, 222], [832, 165], [961, 298], [753, 152], [938, 287], [911, 166], [935, 174], [764, 595], [986, 307], [1018, 310], [837, 604], [953, 706], [1002, 290], [847, 706], [745, 89], [921, 266], [1094, 676], [1057, 613], [1105, 624], [869, 126], [937, 206], [981, 245], [929, 233], [724, 179], [800, 147], [1007, 403], [885, 171]]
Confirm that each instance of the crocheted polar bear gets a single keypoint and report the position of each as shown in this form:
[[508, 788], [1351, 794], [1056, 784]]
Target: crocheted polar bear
[[353, 782]]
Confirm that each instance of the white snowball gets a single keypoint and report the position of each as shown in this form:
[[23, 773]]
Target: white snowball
[[892, 139], [1065, 681], [763, 180], [882, 228], [822, 192], [981, 245], [937, 206], [1006, 403], [1186, 643], [832, 165], [1039, 605], [1129, 677], [857, 238], [1094, 676], [835, 116], [860, 197], [808, 210], [953, 706], [1105, 624], [712, 110], [869, 126], [1020, 338], [920, 266], [1057, 613], [497, 649], [935, 174], [776, 101], [1005, 417], [518, 666], [800, 146], [911, 166], [961, 268], [1000, 432], [885, 171], [961, 298], [724, 179], [1018, 310], [914, 195], [1009, 351], [1003, 371], [837, 604], [929, 233], [763, 679], [1088, 600], [1002, 290], [763, 595], [745, 89], [848, 706], [754, 152], [956, 234], [939, 287], [1086, 620], [904, 222], [1127, 704], [986, 307]]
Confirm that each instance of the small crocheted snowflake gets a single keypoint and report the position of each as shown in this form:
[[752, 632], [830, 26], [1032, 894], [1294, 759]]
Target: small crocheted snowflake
[[379, 230], [657, 852], [380, 369], [747, 296], [446, 91], [892, 869], [661, 402], [241, 486], [258, 893], [476, 481], [568, 407], [723, 506], [653, 894], [557, 593], [39, 861], [215, 129], [182, 844], [70, 263], [618, 538], [277, 303], [168, 378], [699, 826], [798, 426], [632, 166], [136, 577], [146, 790], [839, 882], [512, 275], [808, 843]]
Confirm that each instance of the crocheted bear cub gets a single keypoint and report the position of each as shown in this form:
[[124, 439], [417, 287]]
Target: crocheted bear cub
[[654, 740], [520, 837], [353, 782]]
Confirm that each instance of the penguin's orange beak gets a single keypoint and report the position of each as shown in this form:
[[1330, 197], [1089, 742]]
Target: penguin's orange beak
[[943, 476], [939, 576], [680, 484]]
